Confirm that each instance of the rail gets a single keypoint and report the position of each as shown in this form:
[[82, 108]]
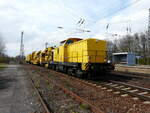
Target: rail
[[132, 90], [73, 95], [40, 97]]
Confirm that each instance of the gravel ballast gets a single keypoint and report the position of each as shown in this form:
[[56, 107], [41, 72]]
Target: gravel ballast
[[109, 102], [56, 99]]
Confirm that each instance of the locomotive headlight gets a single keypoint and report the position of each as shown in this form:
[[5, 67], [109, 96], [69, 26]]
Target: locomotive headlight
[[108, 61]]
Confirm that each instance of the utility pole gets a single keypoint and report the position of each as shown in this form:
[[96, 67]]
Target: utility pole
[[21, 48], [149, 25], [148, 35], [46, 45]]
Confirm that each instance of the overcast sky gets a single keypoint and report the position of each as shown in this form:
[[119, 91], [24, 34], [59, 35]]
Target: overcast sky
[[39, 20]]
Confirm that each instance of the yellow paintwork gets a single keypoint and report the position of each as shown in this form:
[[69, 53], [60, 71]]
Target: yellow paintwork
[[59, 54], [28, 58], [48, 54], [32, 57], [36, 57], [82, 51], [42, 57]]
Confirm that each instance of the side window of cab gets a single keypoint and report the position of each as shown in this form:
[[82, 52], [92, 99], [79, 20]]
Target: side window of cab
[[69, 42]]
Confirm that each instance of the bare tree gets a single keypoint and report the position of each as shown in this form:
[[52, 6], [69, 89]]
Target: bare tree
[[143, 44], [126, 44], [139, 43], [148, 43], [136, 43], [2, 45]]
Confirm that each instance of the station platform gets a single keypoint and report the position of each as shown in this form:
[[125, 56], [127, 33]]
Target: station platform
[[145, 69]]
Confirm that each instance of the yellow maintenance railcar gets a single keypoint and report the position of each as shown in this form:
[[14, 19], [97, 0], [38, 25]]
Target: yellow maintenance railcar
[[32, 57], [49, 55], [36, 58], [28, 58], [42, 58], [46, 56]]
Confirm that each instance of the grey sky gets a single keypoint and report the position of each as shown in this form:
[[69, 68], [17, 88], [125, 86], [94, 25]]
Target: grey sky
[[39, 20]]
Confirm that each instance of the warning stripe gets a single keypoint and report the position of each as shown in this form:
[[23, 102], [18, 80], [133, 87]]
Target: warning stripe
[[86, 66]]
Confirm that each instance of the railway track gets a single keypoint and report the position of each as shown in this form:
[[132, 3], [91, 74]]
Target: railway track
[[119, 87], [46, 109], [137, 70], [131, 74], [135, 91], [77, 98], [122, 88]]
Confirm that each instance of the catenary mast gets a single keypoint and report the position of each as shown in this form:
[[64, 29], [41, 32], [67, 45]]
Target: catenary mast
[[21, 47]]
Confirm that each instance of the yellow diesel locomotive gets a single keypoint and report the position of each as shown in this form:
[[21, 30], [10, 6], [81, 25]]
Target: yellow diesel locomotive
[[78, 57]]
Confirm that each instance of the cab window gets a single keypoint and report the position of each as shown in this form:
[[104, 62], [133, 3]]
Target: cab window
[[69, 42]]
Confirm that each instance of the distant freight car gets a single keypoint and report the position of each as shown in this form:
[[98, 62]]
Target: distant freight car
[[46, 56], [36, 58], [28, 58], [32, 58], [42, 58]]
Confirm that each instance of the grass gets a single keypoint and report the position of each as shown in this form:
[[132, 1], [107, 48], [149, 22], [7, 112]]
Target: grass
[[50, 87], [74, 112], [37, 84], [2, 66], [84, 106]]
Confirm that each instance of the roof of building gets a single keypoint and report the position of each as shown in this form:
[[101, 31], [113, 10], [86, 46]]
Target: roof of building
[[122, 53]]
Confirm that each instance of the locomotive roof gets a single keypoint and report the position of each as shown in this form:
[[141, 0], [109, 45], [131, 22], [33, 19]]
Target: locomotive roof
[[71, 39]]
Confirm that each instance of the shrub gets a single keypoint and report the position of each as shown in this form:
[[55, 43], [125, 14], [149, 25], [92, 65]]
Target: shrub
[[143, 61]]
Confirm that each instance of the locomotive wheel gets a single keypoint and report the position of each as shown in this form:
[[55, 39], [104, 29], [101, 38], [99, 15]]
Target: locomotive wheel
[[57, 68], [69, 71], [79, 73], [89, 75], [53, 67]]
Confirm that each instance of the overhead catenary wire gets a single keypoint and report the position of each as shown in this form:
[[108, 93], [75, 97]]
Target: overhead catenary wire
[[128, 29], [74, 13], [117, 11]]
